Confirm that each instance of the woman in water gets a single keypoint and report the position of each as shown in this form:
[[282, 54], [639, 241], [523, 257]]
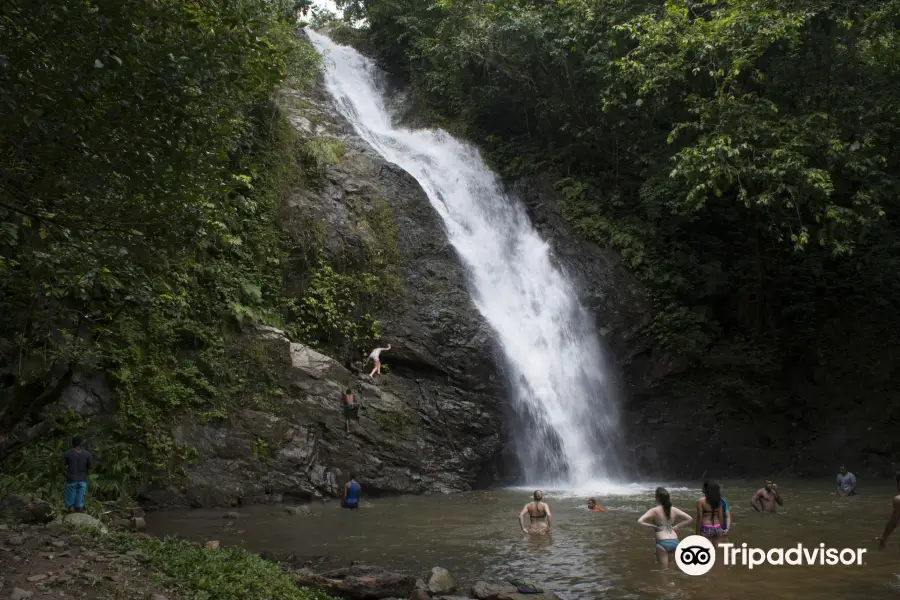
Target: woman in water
[[663, 519], [726, 512], [710, 512], [539, 513], [375, 355]]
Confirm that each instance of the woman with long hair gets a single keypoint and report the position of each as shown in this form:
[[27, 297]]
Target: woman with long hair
[[664, 519], [710, 512], [726, 512]]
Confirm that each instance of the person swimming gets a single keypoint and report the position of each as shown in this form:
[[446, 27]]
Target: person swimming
[[710, 512], [538, 512], [663, 518], [592, 505]]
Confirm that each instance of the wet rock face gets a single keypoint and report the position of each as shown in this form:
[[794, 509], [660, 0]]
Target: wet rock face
[[434, 328], [411, 437]]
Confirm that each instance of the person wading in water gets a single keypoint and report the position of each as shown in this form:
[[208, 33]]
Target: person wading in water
[[351, 408], [375, 355], [891, 525], [351, 494], [538, 512], [663, 519], [846, 483], [765, 498], [726, 512], [709, 512]]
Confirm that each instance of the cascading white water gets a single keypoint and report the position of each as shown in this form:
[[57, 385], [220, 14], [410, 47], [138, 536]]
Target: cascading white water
[[559, 374]]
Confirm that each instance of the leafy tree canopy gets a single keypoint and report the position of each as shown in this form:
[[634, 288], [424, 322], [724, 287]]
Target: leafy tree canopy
[[742, 155]]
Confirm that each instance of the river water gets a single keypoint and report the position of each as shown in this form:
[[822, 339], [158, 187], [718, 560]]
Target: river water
[[589, 555]]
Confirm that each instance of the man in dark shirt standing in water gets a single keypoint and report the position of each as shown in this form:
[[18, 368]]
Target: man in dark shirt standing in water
[[846, 482], [765, 498], [78, 462]]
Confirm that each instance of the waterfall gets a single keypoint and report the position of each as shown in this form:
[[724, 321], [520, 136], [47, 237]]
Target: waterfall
[[559, 376]]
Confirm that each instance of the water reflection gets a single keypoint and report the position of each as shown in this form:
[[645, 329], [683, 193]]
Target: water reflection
[[590, 555]]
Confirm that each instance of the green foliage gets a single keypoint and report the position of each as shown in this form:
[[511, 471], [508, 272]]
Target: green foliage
[[38, 468], [221, 574], [742, 156], [397, 422], [332, 314], [142, 168], [318, 153], [262, 450]]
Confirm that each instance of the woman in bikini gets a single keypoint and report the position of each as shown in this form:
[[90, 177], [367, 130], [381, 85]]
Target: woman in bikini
[[663, 519], [375, 356], [538, 512], [710, 513]]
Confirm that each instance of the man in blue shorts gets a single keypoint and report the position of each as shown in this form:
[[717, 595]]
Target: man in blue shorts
[[78, 462]]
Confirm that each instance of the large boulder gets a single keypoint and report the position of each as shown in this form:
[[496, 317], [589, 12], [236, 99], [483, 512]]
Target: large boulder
[[511, 590], [441, 582], [358, 582], [84, 521], [25, 508]]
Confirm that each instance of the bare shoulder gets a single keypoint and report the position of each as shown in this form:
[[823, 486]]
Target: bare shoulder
[[897, 501]]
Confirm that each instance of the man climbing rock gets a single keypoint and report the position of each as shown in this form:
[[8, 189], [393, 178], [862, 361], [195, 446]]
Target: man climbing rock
[[351, 408], [78, 462], [375, 355]]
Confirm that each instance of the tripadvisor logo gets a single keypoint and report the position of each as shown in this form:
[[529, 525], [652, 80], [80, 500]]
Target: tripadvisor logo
[[696, 555]]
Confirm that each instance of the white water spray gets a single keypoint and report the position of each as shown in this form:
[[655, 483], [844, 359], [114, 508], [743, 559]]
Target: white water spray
[[559, 376]]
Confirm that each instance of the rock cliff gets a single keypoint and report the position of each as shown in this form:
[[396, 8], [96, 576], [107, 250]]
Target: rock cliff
[[433, 423], [411, 436]]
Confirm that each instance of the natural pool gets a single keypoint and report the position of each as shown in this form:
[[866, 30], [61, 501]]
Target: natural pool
[[589, 555]]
